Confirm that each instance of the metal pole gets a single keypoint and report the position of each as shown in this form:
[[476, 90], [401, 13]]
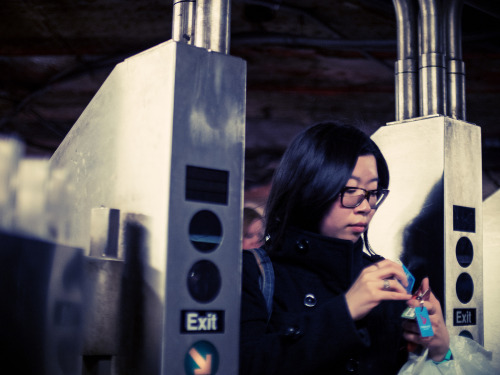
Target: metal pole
[[406, 67], [183, 21], [432, 60], [456, 66], [212, 25]]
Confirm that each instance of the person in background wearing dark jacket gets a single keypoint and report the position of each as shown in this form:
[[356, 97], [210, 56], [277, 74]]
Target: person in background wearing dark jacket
[[336, 308]]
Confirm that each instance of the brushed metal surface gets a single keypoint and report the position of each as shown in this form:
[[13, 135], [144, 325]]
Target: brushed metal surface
[[435, 164], [11, 150], [183, 16], [212, 25], [491, 261], [159, 111]]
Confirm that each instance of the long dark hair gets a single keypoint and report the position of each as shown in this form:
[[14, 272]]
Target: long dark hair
[[313, 170]]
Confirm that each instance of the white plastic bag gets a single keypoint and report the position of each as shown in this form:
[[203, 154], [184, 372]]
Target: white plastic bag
[[469, 358]]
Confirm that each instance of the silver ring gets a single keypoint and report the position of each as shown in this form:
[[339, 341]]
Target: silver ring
[[387, 284]]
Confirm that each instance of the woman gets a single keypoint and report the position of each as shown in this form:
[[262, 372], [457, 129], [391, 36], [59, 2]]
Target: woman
[[335, 309]]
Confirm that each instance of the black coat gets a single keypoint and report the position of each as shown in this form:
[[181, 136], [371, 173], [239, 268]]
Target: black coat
[[310, 330]]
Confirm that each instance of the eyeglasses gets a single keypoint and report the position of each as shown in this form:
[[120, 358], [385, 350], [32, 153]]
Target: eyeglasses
[[351, 197]]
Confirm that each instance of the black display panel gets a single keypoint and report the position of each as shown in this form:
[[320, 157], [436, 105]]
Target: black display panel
[[464, 219], [207, 185]]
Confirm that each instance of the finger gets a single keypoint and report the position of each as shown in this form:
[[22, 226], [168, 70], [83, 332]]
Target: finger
[[387, 284], [425, 288], [395, 286], [432, 308], [394, 296], [413, 302], [388, 269], [379, 265], [374, 267], [412, 337], [424, 285], [385, 263], [412, 333], [435, 305]]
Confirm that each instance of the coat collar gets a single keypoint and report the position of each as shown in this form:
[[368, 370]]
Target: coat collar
[[331, 259]]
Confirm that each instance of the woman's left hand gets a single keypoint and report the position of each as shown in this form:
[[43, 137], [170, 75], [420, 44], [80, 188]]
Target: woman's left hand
[[439, 343]]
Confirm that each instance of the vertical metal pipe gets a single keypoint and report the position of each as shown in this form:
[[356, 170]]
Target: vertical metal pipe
[[406, 67], [183, 21], [212, 26], [432, 59], [456, 66]]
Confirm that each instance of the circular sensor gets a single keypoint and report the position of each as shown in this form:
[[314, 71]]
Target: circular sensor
[[464, 252], [201, 358], [204, 281], [467, 334], [465, 288], [205, 231]]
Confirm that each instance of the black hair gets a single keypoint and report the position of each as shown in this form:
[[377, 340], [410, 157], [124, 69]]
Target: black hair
[[313, 170]]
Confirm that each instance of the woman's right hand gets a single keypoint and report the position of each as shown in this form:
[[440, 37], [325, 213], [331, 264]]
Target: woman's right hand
[[376, 283]]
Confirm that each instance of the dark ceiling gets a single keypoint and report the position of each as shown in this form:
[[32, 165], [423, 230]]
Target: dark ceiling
[[307, 61]]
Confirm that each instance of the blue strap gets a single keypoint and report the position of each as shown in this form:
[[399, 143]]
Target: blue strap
[[266, 279]]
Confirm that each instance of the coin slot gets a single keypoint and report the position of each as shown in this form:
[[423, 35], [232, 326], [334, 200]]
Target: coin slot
[[464, 252], [465, 288], [205, 231], [204, 281]]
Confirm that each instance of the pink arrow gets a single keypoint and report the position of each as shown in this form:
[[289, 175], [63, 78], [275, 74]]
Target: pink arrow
[[204, 364]]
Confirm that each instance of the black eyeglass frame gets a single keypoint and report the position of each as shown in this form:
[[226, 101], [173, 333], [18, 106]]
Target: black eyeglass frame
[[366, 195]]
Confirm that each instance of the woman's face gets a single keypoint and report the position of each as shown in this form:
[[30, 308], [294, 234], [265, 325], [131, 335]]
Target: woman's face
[[350, 223]]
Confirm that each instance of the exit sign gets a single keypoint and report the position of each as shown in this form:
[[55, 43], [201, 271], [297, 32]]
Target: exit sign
[[464, 317]]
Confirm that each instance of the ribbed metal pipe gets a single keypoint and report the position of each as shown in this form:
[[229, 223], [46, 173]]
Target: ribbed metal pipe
[[455, 64], [406, 67], [212, 25], [432, 59], [183, 21]]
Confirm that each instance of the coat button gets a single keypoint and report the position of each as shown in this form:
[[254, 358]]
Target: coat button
[[310, 300], [352, 366], [302, 246], [293, 332]]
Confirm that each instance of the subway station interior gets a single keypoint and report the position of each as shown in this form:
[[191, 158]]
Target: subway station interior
[[133, 133]]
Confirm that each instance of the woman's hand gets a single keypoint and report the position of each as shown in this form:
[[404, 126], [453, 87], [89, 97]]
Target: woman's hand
[[439, 343], [376, 283]]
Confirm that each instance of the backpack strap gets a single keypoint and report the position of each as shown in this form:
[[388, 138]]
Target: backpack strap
[[266, 278]]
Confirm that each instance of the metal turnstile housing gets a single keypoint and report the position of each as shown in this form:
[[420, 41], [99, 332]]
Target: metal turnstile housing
[[432, 218], [163, 138], [491, 264]]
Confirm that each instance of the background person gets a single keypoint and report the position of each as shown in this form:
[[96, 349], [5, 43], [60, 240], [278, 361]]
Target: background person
[[253, 229]]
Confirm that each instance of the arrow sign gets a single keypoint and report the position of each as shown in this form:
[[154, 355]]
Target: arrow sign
[[204, 364], [201, 359]]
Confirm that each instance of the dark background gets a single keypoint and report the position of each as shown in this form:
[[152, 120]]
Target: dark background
[[302, 67]]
